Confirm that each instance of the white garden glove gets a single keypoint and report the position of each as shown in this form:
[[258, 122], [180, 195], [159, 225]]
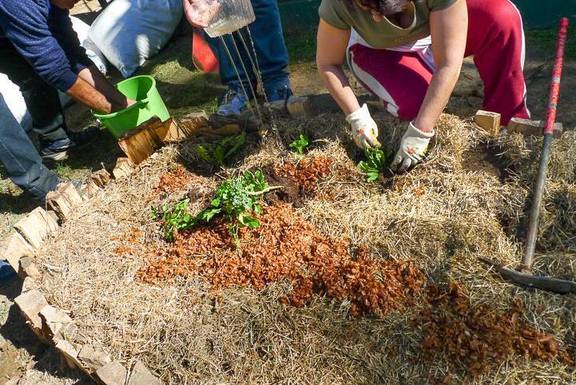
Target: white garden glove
[[413, 147], [364, 128]]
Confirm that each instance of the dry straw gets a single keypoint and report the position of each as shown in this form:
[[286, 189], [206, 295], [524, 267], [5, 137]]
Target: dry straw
[[469, 199]]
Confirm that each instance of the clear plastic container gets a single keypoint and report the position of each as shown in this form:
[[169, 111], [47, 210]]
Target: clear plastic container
[[231, 15]]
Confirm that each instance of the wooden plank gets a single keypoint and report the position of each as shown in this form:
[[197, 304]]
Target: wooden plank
[[64, 200], [15, 248], [140, 145], [488, 121], [532, 127], [187, 127], [123, 169], [36, 227], [299, 107]]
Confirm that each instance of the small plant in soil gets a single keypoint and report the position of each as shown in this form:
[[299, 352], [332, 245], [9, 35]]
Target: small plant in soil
[[174, 218], [374, 164], [218, 153], [238, 200], [300, 144]]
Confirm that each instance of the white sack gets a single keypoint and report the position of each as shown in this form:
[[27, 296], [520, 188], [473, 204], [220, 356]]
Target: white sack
[[92, 51], [128, 32], [15, 101]]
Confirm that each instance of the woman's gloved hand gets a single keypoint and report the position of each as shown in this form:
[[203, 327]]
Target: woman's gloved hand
[[413, 147], [364, 129]]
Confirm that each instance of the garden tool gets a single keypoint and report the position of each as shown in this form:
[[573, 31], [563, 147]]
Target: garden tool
[[524, 277]]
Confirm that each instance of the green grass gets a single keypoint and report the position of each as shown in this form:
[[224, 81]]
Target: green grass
[[302, 47]]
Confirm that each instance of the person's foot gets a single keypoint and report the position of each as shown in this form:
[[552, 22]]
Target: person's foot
[[6, 271], [56, 150], [232, 103], [279, 93]]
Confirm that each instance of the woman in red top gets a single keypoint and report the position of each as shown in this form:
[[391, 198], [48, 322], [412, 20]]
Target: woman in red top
[[410, 53]]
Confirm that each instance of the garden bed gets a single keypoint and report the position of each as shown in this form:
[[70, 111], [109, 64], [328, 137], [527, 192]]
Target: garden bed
[[344, 281]]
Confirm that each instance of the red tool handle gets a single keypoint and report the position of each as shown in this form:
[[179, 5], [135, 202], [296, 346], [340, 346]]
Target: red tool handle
[[556, 76]]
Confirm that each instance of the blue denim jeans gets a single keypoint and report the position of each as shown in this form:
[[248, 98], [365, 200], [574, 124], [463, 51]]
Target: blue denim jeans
[[20, 157], [270, 48]]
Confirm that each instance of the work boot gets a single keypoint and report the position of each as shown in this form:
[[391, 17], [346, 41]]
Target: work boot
[[232, 103], [280, 93]]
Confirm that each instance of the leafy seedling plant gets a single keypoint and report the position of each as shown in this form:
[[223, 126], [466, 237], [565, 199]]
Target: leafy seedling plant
[[218, 153], [374, 163], [238, 200], [300, 144]]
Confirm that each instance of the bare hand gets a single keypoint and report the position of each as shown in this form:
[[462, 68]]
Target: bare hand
[[200, 13]]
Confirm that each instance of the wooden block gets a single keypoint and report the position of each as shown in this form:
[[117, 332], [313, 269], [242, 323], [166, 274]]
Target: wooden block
[[101, 178], [139, 145], [89, 189], [93, 358], [15, 248], [30, 304], [169, 131], [299, 107], [532, 127], [69, 352], [488, 121], [190, 125], [27, 268], [140, 375], [225, 130], [36, 227], [29, 284], [64, 200], [53, 320], [112, 374], [124, 168]]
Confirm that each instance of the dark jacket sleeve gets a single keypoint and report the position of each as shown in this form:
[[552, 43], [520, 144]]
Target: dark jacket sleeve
[[25, 24]]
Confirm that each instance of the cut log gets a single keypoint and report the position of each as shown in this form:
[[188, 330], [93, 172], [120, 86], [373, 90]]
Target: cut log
[[93, 358], [299, 107], [30, 304], [29, 284], [101, 178], [53, 320], [225, 130], [169, 131], [69, 352], [64, 200], [124, 168], [488, 121], [15, 248], [532, 127], [27, 268], [112, 374], [190, 125], [89, 189], [36, 227], [139, 144], [140, 375]]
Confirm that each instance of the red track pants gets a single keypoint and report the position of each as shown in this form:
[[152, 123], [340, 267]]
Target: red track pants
[[495, 39]]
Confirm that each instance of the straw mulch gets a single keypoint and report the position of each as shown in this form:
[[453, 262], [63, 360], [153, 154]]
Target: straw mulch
[[345, 282]]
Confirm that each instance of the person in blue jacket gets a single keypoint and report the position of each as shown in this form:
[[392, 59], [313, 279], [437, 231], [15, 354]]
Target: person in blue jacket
[[40, 52], [270, 48]]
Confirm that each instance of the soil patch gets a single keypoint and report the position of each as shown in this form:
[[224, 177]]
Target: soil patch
[[285, 247]]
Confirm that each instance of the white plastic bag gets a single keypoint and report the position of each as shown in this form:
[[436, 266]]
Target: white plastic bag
[[128, 32], [15, 101], [92, 51]]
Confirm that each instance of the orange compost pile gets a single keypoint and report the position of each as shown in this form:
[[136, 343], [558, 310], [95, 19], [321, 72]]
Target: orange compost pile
[[479, 337], [285, 247]]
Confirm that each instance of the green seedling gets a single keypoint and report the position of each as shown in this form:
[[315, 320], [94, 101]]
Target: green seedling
[[218, 153], [374, 164], [238, 200], [300, 144], [175, 218]]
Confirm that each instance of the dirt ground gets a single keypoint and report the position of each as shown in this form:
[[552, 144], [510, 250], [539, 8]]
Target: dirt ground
[[23, 360]]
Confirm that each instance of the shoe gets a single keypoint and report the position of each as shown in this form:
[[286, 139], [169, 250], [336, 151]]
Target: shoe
[[6, 271], [232, 103], [57, 150], [279, 93]]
